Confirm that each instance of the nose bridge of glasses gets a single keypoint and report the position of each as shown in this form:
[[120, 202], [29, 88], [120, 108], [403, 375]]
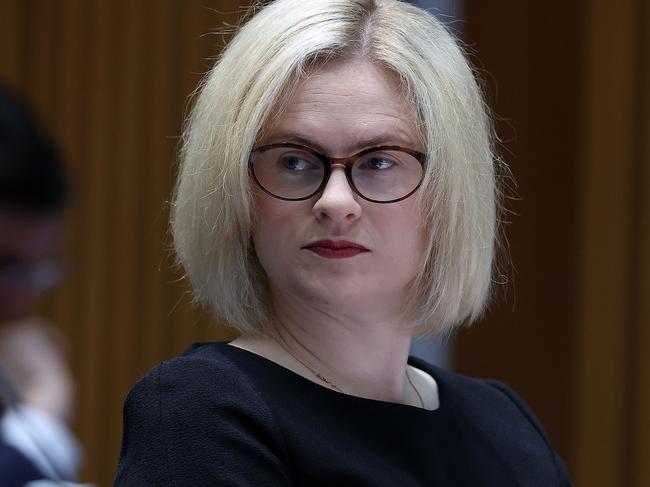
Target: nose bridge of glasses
[[344, 162], [344, 166]]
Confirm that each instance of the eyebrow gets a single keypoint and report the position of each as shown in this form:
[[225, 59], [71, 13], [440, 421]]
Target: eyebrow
[[376, 141]]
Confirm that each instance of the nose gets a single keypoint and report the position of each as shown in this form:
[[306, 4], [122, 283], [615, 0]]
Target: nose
[[337, 201]]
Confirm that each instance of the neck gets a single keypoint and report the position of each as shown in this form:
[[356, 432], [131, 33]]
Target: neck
[[363, 353]]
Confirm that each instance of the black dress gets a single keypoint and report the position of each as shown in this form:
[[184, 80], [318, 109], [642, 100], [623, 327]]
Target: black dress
[[223, 416], [15, 468]]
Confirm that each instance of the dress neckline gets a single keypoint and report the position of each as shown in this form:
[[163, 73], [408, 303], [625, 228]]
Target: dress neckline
[[314, 386]]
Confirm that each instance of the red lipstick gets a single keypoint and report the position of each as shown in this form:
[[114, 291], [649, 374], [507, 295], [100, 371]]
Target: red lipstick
[[335, 249]]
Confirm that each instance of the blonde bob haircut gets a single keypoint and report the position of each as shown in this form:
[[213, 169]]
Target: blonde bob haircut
[[213, 211]]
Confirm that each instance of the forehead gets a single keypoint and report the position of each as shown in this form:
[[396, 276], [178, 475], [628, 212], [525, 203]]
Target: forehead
[[345, 107]]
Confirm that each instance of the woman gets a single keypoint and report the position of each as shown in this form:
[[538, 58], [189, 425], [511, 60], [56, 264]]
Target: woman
[[336, 198]]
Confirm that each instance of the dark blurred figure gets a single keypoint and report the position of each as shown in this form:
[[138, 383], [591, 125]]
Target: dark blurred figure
[[36, 388]]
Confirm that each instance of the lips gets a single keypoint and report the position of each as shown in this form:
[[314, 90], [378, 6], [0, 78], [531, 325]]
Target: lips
[[336, 249]]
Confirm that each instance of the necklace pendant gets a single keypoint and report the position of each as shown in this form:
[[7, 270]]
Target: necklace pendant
[[322, 378]]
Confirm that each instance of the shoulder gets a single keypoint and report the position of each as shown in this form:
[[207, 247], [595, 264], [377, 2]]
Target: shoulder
[[466, 391], [201, 362], [187, 391], [204, 370], [489, 401], [493, 412], [190, 417]]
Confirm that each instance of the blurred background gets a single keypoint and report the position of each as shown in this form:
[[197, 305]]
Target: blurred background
[[569, 83]]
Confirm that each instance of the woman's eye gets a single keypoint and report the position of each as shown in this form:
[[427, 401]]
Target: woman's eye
[[295, 163], [379, 163]]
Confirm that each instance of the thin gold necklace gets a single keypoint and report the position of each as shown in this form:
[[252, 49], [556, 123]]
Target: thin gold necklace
[[280, 341], [408, 377], [307, 365]]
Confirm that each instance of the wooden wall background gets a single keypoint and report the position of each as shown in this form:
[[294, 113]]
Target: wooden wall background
[[570, 83], [111, 80]]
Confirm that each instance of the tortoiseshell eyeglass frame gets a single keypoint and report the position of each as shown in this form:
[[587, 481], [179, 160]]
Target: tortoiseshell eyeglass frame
[[329, 162]]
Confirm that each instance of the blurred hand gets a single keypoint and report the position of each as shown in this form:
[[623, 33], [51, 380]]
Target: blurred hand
[[32, 355]]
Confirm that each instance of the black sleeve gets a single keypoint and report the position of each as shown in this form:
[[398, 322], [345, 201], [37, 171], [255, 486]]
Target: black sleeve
[[563, 473], [192, 423], [15, 469]]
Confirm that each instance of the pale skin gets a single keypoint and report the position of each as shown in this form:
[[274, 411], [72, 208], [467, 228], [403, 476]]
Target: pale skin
[[344, 317]]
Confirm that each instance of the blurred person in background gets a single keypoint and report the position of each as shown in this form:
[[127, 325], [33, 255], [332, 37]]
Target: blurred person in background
[[36, 387]]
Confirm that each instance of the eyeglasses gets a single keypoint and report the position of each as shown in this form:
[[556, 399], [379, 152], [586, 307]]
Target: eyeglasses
[[293, 172]]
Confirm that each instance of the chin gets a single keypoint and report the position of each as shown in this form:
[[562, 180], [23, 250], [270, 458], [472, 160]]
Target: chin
[[344, 293]]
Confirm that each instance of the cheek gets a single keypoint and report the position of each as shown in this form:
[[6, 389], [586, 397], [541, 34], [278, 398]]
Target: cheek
[[405, 243], [262, 232], [273, 226], [269, 212], [266, 250], [402, 227]]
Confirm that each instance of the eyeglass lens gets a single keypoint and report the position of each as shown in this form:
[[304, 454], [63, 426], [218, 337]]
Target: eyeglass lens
[[292, 173]]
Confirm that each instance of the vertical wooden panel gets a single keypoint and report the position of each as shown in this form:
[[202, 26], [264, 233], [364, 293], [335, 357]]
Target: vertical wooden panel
[[641, 425], [94, 189], [126, 224], [12, 22], [41, 59], [640, 442], [604, 401], [73, 94], [70, 95], [162, 120]]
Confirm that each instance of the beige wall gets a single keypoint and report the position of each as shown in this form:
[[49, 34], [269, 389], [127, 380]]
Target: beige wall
[[569, 80]]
